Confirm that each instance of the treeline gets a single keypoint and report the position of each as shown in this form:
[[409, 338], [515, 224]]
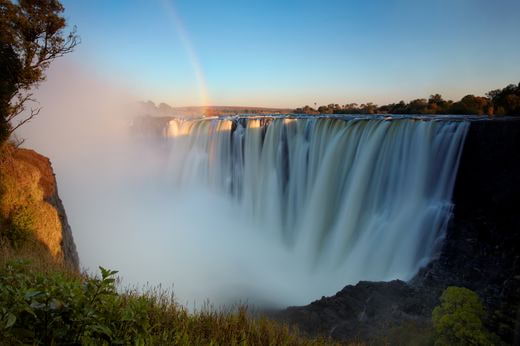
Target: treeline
[[504, 101]]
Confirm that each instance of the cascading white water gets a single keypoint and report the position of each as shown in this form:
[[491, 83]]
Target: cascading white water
[[350, 199]]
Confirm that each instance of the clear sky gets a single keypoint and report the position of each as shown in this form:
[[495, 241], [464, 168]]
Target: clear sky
[[287, 53]]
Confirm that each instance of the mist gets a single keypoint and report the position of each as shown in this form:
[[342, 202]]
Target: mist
[[126, 214], [160, 213]]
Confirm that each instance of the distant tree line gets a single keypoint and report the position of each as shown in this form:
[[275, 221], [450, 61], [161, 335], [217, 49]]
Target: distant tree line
[[504, 101], [165, 110]]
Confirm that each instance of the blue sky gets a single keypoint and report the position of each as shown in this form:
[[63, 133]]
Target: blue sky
[[291, 53]]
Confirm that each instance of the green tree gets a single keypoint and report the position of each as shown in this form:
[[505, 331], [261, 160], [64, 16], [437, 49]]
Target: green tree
[[458, 319], [506, 101], [418, 106], [32, 35], [471, 104], [437, 105]]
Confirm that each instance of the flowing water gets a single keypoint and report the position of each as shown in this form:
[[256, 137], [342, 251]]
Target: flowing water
[[344, 199]]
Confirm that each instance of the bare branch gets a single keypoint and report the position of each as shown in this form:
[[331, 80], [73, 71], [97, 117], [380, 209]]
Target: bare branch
[[19, 106], [68, 46], [34, 112], [17, 141]]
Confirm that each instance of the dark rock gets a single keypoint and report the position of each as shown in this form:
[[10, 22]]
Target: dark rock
[[363, 311], [482, 246]]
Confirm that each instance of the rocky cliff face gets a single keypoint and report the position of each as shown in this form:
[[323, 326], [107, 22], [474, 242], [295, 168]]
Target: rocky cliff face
[[482, 246], [481, 252], [29, 182]]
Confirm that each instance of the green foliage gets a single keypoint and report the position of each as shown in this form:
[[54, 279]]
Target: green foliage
[[56, 308], [506, 101], [53, 309], [458, 319], [31, 37]]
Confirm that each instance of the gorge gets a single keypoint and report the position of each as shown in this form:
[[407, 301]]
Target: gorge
[[427, 202], [222, 165]]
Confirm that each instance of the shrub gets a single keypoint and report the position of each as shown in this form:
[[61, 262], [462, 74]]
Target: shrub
[[458, 319], [20, 226], [53, 309]]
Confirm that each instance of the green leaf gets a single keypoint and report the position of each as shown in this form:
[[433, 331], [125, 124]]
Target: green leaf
[[37, 305], [11, 319], [29, 311], [102, 330], [32, 293], [104, 272]]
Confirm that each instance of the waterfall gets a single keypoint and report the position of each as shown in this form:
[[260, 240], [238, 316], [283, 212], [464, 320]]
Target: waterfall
[[353, 198]]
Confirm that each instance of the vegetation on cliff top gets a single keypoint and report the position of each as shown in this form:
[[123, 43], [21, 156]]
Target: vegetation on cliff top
[[504, 101]]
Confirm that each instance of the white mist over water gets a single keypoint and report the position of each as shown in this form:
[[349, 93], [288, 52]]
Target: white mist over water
[[274, 212]]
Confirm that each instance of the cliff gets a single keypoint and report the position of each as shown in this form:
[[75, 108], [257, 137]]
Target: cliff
[[480, 252], [31, 207]]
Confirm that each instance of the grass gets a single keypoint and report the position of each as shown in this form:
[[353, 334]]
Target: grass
[[44, 302], [410, 333]]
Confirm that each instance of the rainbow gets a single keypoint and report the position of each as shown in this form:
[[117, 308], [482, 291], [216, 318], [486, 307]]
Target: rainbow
[[170, 10]]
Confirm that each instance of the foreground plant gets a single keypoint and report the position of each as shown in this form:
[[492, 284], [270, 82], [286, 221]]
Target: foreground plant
[[59, 308], [48, 309]]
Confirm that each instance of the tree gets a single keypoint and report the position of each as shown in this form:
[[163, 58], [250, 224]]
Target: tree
[[458, 320], [471, 104], [325, 110], [418, 106], [506, 101], [32, 35], [437, 105]]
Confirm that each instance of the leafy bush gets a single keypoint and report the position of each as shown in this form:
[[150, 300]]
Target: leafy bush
[[458, 319], [53, 309], [56, 308]]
